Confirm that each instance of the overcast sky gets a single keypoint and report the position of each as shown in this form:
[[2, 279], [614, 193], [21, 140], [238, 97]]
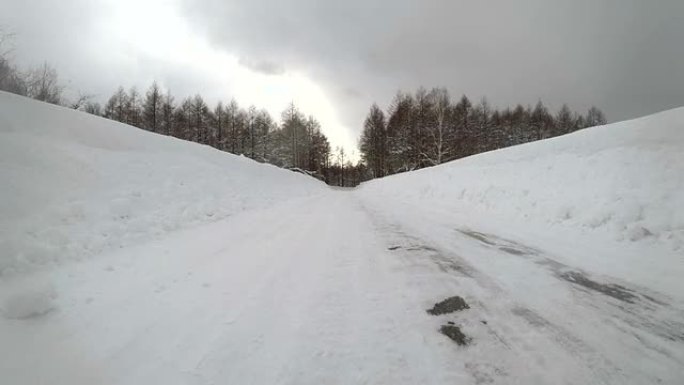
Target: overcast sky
[[334, 58]]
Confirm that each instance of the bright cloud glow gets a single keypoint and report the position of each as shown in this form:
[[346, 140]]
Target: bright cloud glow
[[157, 32]]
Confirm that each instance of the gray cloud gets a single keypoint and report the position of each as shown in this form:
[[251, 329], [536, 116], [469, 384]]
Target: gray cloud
[[623, 56], [66, 34], [262, 66]]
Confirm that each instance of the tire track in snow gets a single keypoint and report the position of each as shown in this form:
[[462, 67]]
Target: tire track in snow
[[493, 303], [643, 309]]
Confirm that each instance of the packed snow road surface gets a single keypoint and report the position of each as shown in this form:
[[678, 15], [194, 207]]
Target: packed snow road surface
[[326, 289]]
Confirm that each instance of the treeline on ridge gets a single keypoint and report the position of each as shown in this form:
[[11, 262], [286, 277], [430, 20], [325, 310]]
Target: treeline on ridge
[[296, 142], [427, 128], [418, 130]]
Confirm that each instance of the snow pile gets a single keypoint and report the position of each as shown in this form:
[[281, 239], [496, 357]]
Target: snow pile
[[626, 179], [75, 185]]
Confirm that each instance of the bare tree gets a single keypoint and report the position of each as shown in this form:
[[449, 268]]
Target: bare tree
[[115, 108], [93, 108], [295, 161], [43, 84], [167, 116], [373, 142], [292, 122], [199, 119], [595, 117], [251, 128], [152, 108], [438, 131], [266, 125], [10, 78], [132, 107], [233, 110], [564, 120], [219, 113], [6, 47], [340, 161], [81, 101]]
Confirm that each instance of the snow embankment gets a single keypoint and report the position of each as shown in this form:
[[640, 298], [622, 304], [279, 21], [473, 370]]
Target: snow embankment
[[75, 185], [625, 179]]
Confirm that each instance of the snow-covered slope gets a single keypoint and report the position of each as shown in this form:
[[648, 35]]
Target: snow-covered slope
[[622, 181], [75, 185]]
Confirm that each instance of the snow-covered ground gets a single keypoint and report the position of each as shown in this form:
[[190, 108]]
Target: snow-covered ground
[[132, 258], [609, 198], [622, 181], [75, 185]]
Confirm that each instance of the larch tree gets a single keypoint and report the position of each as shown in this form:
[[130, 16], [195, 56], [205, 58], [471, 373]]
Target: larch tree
[[461, 127], [292, 126], [398, 133], [167, 110], [232, 116], [251, 129], [438, 131], [595, 117], [220, 121], [200, 120], [132, 108], [152, 108], [564, 120], [373, 142], [115, 108], [11, 79]]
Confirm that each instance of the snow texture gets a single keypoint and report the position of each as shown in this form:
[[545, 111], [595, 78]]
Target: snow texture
[[624, 179], [133, 258], [28, 301], [75, 185]]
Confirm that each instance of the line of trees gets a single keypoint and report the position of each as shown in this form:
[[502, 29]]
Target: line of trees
[[38, 83], [296, 142], [418, 130], [427, 128]]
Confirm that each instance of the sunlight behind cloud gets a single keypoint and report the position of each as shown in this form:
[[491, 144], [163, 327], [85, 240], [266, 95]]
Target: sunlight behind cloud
[[156, 31]]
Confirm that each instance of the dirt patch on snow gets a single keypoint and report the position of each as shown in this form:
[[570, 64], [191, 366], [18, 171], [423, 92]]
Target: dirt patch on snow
[[449, 305], [455, 334]]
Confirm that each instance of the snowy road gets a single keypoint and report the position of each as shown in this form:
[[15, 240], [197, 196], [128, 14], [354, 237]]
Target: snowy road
[[326, 290]]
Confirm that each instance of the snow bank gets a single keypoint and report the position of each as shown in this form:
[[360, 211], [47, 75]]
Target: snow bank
[[626, 179], [75, 185]]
